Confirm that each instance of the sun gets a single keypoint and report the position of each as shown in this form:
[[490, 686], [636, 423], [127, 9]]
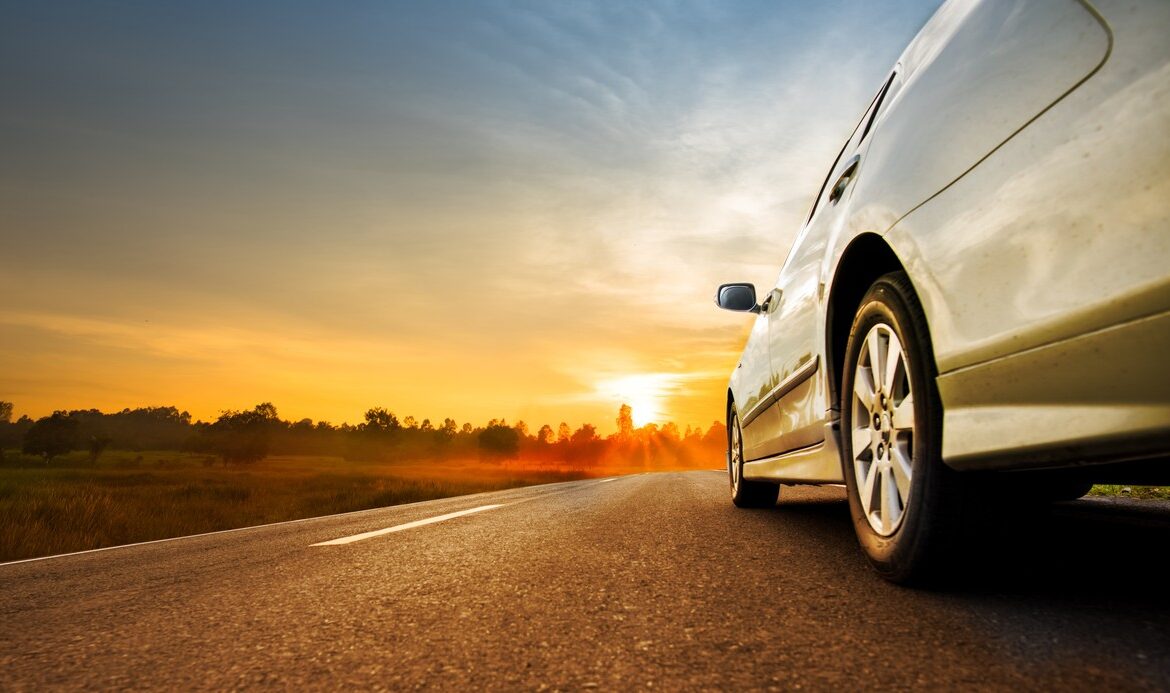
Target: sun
[[644, 393], [644, 410]]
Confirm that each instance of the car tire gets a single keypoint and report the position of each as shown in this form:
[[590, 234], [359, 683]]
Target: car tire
[[745, 494], [1068, 490], [907, 506], [1043, 487]]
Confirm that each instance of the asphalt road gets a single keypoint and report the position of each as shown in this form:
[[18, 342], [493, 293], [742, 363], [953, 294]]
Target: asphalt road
[[651, 581]]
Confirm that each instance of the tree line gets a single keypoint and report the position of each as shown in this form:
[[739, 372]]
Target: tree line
[[247, 436]]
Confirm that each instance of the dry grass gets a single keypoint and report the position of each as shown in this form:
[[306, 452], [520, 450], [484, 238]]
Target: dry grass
[[72, 505]]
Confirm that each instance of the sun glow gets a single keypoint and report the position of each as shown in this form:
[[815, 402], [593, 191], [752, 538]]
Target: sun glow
[[644, 393]]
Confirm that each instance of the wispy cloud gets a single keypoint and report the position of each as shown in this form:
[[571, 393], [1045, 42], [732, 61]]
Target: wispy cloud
[[461, 208]]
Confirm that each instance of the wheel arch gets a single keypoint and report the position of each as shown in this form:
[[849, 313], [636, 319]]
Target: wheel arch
[[863, 261], [727, 413]]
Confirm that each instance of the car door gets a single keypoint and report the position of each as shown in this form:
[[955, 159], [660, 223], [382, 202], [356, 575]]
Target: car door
[[751, 383], [794, 307]]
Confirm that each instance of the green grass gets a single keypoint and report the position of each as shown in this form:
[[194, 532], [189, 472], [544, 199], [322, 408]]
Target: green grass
[[73, 505], [1142, 492]]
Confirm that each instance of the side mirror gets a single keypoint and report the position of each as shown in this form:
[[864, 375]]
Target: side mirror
[[737, 297]]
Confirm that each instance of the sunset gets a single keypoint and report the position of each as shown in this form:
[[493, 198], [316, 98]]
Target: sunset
[[471, 210], [563, 345]]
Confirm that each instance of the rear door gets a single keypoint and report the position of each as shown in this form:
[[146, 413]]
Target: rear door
[[977, 74]]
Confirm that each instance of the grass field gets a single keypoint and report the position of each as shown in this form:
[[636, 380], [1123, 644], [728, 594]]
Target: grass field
[[72, 504]]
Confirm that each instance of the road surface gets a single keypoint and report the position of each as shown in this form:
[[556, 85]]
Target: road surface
[[651, 582]]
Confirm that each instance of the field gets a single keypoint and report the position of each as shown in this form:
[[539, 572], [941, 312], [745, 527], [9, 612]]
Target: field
[[73, 504]]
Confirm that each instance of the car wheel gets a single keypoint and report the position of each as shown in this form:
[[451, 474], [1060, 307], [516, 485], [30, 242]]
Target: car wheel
[[1023, 488], [744, 493], [1068, 490], [906, 505]]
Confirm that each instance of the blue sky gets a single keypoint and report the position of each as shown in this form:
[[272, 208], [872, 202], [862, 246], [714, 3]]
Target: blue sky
[[449, 209]]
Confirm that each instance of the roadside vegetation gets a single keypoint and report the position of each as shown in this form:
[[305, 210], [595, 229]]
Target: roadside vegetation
[[85, 479], [126, 497], [1138, 492]]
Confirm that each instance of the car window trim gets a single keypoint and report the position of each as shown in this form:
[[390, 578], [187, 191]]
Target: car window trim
[[877, 107], [869, 112]]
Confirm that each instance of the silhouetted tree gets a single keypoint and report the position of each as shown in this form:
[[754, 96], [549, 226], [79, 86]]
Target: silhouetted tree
[[716, 435], [545, 435], [625, 422], [499, 441], [243, 436], [11, 434], [378, 419], [51, 436], [98, 445], [586, 434], [564, 433], [446, 432]]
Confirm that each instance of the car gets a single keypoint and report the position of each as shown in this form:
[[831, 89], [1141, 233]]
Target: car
[[977, 305]]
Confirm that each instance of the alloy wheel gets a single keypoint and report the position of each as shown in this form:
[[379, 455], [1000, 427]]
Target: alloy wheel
[[883, 429], [735, 458]]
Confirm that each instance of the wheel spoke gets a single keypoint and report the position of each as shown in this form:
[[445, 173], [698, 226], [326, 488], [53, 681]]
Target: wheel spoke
[[871, 475], [903, 418], [900, 465], [888, 490], [890, 366], [863, 387], [875, 358], [862, 437]]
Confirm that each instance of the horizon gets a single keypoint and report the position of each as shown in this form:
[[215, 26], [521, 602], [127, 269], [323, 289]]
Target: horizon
[[532, 427], [474, 211]]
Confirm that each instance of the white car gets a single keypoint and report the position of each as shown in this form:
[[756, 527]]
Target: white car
[[981, 286]]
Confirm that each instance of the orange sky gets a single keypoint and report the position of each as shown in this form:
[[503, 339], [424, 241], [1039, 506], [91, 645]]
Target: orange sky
[[517, 213]]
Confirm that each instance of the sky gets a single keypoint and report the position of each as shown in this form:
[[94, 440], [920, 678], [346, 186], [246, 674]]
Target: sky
[[475, 210]]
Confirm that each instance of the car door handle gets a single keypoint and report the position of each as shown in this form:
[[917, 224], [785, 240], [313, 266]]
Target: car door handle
[[845, 179]]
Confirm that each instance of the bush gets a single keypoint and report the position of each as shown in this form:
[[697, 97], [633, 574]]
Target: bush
[[51, 436]]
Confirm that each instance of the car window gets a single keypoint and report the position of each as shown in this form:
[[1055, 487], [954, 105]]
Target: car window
[[855, 139], [877, 107]]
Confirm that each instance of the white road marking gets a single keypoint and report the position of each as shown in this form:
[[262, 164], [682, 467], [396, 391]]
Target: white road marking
[[220, 531], [612, 478], [408, 525]]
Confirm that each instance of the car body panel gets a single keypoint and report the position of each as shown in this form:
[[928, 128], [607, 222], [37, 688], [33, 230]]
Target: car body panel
[[815, 464], [997, 417], [1015, 171], [752, 383], [977, 73], [1016, 258]]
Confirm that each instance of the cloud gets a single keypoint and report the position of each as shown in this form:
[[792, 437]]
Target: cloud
[[460, 207]]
